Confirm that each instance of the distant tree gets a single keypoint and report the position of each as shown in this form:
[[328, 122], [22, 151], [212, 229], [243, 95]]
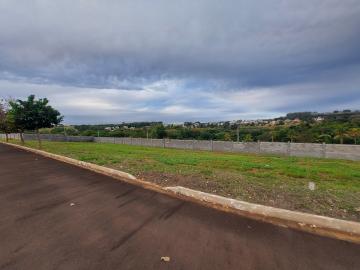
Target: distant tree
[[226, 124], [341, 134], [273, 133], [33, 114], [205, 135], [291, 134], [300, 115], [265, 137], [227, 136], [66, 130], [325, 138], [354, 133], [158, 131], [6, 119], [248, 138], [355, 120], [3, 114]]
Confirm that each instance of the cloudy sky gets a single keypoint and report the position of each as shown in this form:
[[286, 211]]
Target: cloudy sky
[[103, 61]]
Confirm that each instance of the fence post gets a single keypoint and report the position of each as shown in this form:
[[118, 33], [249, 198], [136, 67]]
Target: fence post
[[259, 146], [164, 145], [212, 145], [114, 140]]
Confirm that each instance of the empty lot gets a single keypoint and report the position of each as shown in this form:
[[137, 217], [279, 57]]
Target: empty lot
[[57, 216]]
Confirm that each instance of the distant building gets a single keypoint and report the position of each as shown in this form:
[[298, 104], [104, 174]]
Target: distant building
[[319, 119]]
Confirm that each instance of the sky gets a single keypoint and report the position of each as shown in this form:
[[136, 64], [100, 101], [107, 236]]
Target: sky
[[109, 61]]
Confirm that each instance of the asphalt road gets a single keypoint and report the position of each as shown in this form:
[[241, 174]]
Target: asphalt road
[[57, 216]]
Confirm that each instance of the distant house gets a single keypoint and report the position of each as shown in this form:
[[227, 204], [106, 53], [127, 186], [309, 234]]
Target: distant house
[[319, 119]]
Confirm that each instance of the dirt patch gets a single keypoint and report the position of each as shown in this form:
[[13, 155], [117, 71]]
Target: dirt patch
[[237, 188], [169, 179]]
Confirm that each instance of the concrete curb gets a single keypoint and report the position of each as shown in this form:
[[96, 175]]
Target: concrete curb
[[320, 225]]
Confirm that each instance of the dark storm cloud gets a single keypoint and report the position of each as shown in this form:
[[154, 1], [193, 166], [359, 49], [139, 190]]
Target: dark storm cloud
[[204, 48]]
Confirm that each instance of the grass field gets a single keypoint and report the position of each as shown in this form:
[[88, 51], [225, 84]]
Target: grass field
[[270, 180]]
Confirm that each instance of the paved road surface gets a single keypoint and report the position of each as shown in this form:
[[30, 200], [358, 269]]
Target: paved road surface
[[113, 225]]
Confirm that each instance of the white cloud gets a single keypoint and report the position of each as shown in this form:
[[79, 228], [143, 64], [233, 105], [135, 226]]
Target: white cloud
[[174, 104], [106, 61]]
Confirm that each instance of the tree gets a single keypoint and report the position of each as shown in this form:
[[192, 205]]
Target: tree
[[158, 131], [6, 119], [341, 133], [354, 133], [3, 114], [33, 114], [325, 138], [273, 133], [227, 136], [248, 138], [291, 134]]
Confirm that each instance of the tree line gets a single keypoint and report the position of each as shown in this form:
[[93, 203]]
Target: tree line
[[18, 116], [307, 131]]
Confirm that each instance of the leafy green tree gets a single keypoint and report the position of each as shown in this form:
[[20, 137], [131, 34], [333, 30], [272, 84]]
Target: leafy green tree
[[325, 138], [291, 134], [3, 114], [354, 133], [158, 131], [227, 136], [206, 135], [341, 134], [273, 134], [33, 114], [6, 119], [65, 130], [248, 138]]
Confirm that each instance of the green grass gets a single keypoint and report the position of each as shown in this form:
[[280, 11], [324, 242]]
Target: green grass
[[271, 180]]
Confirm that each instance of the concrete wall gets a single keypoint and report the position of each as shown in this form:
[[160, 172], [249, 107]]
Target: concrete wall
[[307, 150], [59, 138], [277, 148], [223, 146], [351, 152], [248, 147], [14, 136], [342, 151]]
